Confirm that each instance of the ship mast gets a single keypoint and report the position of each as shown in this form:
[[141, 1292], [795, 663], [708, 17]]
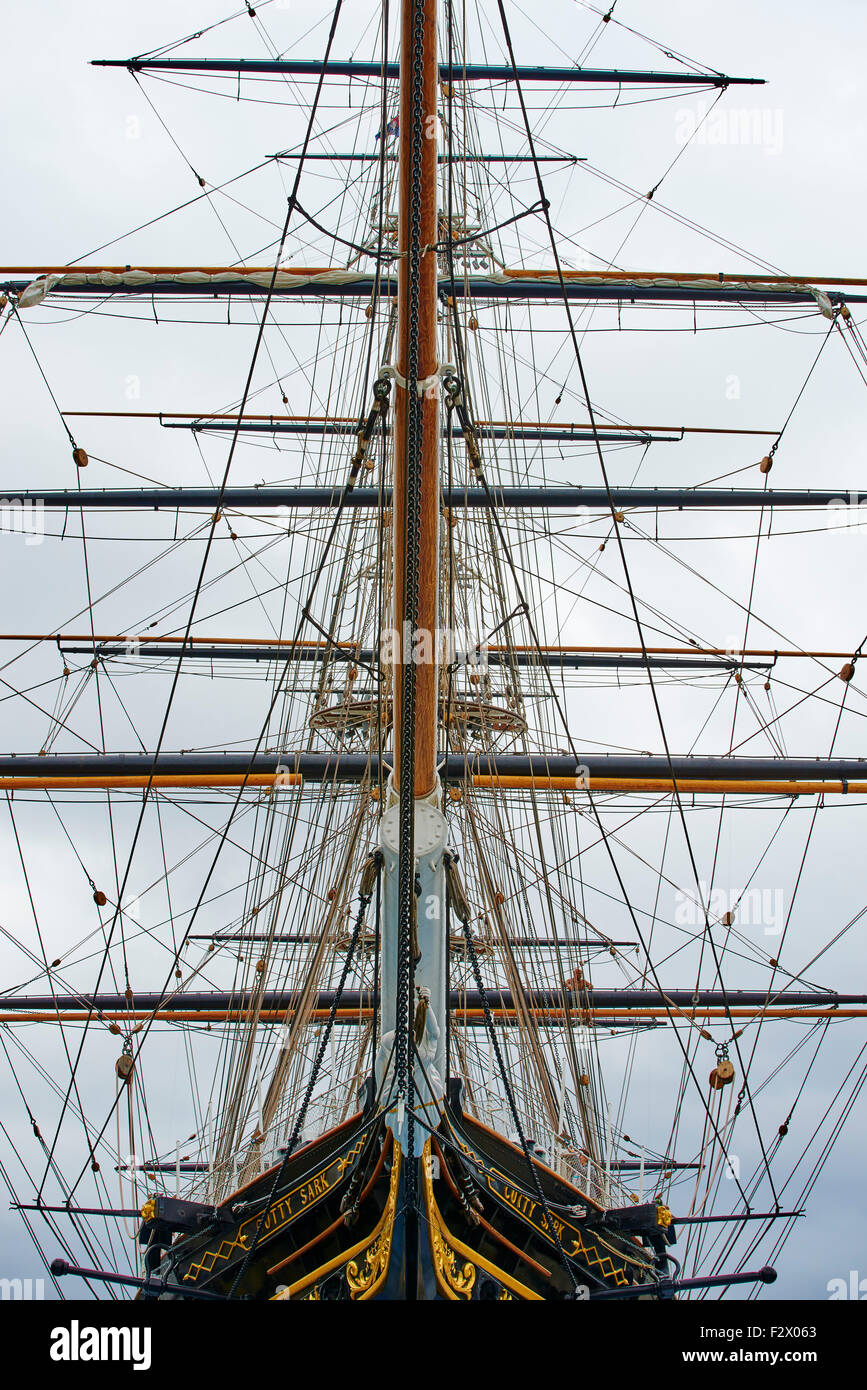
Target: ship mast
[[411, 1060], [416, 480]]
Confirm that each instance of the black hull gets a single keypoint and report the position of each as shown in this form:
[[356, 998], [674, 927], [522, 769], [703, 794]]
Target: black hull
[[334, 1223]]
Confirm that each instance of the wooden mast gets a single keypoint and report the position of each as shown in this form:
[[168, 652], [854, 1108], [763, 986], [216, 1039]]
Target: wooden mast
[[418, 81]]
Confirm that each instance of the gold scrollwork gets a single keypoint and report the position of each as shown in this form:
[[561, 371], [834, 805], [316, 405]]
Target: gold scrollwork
[[455, 1281], [457, 1277], [365, 1264], [366, 1274], [362, 1273]]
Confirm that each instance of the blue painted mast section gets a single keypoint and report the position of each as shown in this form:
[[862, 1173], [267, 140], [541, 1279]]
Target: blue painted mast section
[[430, 973]]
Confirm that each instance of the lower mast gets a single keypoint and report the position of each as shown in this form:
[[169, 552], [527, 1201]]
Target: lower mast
[[413, 830]]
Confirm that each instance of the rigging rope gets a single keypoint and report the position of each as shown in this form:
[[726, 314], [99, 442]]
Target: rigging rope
[[364, 901]]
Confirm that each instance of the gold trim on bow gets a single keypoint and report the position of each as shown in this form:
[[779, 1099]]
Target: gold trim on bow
[[367, 1262], [455, 1264]]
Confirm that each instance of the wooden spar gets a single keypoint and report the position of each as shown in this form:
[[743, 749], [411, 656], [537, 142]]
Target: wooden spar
[[686, 785], [474, 1018], [493, 648], [276, 780], [279, 780], [167, 270], [544, 996], [351, 421], [686, 277], [419, 322], [561, 499], [331, 766], [679, 278]]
